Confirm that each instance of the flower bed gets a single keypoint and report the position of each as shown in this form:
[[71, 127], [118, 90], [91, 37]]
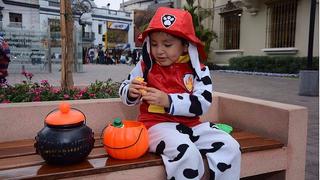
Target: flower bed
[[29, 91]]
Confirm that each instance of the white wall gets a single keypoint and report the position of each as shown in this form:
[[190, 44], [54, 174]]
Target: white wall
[[30, 16]]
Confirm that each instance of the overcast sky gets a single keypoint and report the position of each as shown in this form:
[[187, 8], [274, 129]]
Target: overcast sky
[[114, 4]]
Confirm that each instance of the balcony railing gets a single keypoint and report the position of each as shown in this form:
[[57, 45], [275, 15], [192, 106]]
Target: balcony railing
[[55, 35], [54, 3], [15, 25], [88, 36]]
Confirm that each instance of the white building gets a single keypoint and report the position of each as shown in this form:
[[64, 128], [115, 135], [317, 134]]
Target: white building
[[96, 21], [42, 16], [19, 14]]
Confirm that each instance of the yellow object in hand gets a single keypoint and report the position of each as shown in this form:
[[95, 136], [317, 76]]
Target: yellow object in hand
[[156, 109], [142, 91], [141, 79]]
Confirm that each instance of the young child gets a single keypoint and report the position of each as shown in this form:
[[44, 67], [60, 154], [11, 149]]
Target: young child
[[174, 89]]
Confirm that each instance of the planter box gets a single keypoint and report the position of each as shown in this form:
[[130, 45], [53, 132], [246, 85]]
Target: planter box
[[24, 120]]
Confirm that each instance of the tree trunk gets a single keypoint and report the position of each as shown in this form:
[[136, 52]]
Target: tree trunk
[[212, 14], [199, 8], [66, 22]]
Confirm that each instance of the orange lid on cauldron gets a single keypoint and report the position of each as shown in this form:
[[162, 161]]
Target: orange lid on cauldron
[[65, 116]]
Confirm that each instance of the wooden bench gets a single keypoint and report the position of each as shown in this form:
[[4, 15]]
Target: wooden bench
[[19, 160], [272, 137]]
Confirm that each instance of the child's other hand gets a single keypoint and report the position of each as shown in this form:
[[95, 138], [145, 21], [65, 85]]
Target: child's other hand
[[136, 87], [156, 97]]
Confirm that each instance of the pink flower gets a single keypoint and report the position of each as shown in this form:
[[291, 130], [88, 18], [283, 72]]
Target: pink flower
[[28, 75], [66, 96], [44, 82], [6, 101], [37, 98], [55, 91]]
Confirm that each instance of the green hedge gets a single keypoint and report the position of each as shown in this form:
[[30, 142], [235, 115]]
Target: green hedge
[[271, 64]]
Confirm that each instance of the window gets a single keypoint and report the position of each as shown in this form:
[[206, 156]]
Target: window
[[15, 17], [281, 23], [54, 25], [100, 28], [15, 20], [230, 26]]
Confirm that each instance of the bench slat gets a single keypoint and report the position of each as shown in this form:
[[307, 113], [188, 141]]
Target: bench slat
[[26, 149], [87, 167], [19, 160], [35, 159], [258, 144]]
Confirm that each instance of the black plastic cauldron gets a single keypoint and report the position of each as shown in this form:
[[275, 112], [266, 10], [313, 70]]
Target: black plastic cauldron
[[66, 138]]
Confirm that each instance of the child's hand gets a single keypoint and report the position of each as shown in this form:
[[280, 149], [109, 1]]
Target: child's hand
[[137, 87], [156, 97]]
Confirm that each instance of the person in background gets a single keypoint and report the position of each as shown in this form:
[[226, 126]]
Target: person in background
[[4, 59], [134, 57], [123, 59], [91, 54], [101, 58]]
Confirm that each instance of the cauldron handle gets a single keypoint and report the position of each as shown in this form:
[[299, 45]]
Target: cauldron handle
[[85, 117]]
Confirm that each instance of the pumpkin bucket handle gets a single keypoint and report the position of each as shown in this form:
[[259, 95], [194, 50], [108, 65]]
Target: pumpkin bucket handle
[[120, 147], [102, 132], [85, 118]]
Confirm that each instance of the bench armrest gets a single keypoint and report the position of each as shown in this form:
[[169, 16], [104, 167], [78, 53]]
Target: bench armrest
[[284, 122]]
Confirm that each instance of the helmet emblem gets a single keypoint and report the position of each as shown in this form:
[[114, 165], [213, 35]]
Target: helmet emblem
[[168, 20]]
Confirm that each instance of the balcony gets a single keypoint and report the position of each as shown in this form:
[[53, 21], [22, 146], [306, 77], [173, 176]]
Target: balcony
[[55, 35], [54, 3], [252, 6], [15, 25], [88, 36]]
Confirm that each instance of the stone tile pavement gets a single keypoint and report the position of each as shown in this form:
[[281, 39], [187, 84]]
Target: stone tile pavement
[[278, 89]]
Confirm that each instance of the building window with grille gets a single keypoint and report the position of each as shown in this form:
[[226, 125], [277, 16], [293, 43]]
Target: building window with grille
[[230, 26], [54, 25], [15, 20], [281, 23]]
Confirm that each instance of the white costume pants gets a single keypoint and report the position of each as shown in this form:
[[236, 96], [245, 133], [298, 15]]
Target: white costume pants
[[181, 148]]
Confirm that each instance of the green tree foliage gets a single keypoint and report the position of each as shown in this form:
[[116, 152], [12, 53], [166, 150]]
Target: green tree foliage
[[199, 14]]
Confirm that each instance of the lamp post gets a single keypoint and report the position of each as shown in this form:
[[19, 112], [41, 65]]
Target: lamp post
[[311, 33], [309, 79]]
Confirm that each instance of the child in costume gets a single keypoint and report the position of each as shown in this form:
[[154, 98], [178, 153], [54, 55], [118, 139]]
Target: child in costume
[[174, 89]]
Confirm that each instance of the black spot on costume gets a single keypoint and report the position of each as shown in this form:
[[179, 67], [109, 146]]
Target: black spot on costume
[[186, 130]]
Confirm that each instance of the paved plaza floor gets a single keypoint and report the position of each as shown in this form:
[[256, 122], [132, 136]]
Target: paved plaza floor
[[278, 89]]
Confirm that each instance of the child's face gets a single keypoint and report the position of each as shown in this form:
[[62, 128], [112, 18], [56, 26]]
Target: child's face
[[165, 48]]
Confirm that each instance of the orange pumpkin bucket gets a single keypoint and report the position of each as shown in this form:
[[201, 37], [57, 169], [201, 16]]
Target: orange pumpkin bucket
[[125, 139]]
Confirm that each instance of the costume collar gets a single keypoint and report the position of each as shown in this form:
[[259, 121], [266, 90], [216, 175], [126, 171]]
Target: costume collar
[[183, 59]]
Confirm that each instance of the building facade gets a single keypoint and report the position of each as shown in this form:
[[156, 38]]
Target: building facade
[[41, 18], [260, 27], [143, 11]]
